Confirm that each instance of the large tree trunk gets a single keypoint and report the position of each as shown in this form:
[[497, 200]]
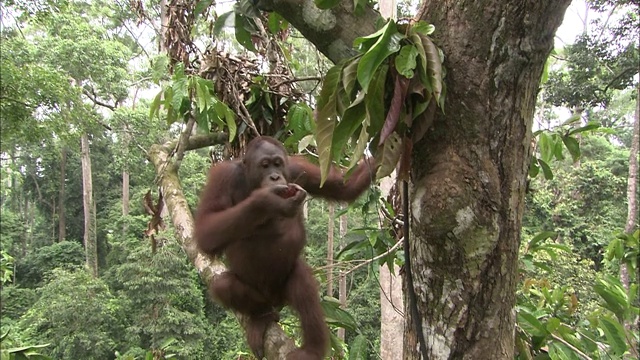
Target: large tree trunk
[[62, 223], [469, 173], [90, 241]]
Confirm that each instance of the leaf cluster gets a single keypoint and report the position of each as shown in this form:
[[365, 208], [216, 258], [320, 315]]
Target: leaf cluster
[[398, 73]]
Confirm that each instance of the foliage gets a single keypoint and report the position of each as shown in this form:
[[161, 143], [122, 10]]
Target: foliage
[[15, 301], [177, 99], [353, 99], [163, 300], [6, 268], [32, 270], [67, 303], [22, 352]]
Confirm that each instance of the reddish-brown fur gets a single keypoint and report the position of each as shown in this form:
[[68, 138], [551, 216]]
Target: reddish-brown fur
[[249, 213]]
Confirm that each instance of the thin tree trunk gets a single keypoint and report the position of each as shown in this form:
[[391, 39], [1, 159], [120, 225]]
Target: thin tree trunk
[[26, 237], [62, 226], [342, 279], [330, 228], [632, 187], [125, 202], [391, 297], [90, 241]]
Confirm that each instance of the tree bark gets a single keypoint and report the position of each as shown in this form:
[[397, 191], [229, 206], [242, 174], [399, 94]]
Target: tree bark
[[62, 223], [90, 240], [468, 175]]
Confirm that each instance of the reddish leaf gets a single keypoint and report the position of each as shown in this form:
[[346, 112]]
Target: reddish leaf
[[401, 84], [423, 122]]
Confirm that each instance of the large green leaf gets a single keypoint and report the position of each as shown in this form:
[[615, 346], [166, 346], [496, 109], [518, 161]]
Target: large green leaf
[[613, 294], [434, 66], [386, 45], [351, 120], [326, 118], [572, 145], [546, 169], [405, 61], [243, 30], [375, 101], [224, 20], [614, 332], [359, 348], [529, 323], [349, 76]]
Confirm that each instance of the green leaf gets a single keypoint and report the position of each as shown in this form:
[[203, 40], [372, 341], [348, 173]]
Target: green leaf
[[559, 351], [359, 349], [557, 147], [534, 169], [546, 170], [590, 126], [374, 101], [224, 20], [304, 143], [434, 67], [552, 324], [326, 4], [274, 22], [572, 119], [361, 145], [533, 243], [326, 118], [529, 323], [364, 43], [202, 97], [545, 146], [243, 35], [230, 117], [336, 316], [154, 109], [391, 151], [201, 6], [352, 119], [349, 75], [572, 145], [614, 332], [386, 45], [406, 60], [423, 27], [614, 296]]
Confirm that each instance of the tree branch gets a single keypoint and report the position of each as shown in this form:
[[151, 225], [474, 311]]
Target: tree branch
[[95, 100], [331, 31]]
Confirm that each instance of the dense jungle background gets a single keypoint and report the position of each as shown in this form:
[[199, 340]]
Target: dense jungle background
[[92, 266]]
